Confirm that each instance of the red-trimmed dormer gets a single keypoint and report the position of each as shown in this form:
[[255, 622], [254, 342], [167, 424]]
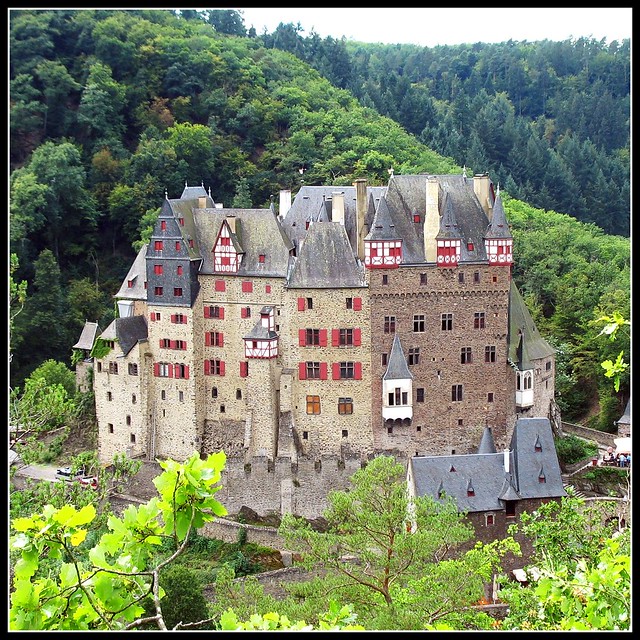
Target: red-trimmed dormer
[[498, 239], [382, 246], [449, 238], [227, 252]]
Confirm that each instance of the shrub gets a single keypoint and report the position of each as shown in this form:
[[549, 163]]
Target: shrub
[[571, 449]]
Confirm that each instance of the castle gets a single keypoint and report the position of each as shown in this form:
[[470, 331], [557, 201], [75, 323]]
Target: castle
[[352, 322]]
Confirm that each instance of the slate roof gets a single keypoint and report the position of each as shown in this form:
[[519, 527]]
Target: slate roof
[[126, 332], [436, 476], [383, 227], [487, 444], [625, 418], [313, 203], [259, 332], [88, 336], [138, 274], [397, 368], [326, 260], [526, 345], [498, 227], [258, 231]]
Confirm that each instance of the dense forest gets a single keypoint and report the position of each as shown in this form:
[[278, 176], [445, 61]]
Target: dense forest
[[112, 110]]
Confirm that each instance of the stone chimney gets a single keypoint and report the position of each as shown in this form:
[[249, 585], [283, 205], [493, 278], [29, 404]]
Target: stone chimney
[[431, 219], [202, 202], [285, 202], [482, 189], [231, 221], [337, 207], [506, 460], [361, 209]]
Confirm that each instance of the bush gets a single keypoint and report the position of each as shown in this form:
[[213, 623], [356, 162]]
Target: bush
[[571, 449]]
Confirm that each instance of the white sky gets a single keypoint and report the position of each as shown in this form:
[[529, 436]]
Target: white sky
[[431, 27]]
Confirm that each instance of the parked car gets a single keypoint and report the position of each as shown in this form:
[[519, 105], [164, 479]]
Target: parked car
[[89, 481], [65, 473]]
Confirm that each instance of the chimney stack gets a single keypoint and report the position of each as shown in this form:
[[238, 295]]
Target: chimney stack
[[337, 207], [361, 209], [285, 202], [506, 460], [482, 189], [431, 219], [202, 202]]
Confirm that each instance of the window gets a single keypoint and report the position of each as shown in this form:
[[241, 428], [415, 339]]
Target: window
[[177, 292], [398, 397], [165, 343], [478, 320], [179, 270], [465, 355], [510, 508], [423, 278], [460, 422], [214, 367], [461, 277], [158, 291], [178, 318], [247, 286], [347, 370], [312, 337], [389, 429], [389, 324], [214, 339], [476, 276], [130, 284], [181, 221], [416, 217], [489, 354], [345, 407], [349, 302], [527, 380], [244, 369], [133, 369], [128, 421], [489, 519], [158, 245], [313, 370], [309, 303], [385, 358], [305, 434], [245, 312], [190, 242], [418, 323], [214, 312], [99, 367], [163, 395], [180, 344], [133, 438], [495, 278], [163, 225], [313, 405], [261, 257], [267, 288], [180, 396], [181, 371], [154, 316], [385, 279], [157, 269], [447, 321], [163, 369], [110, 427], [238, 394], [214, 392], [345, 337], [420, 394], [113, 367], [456, 393], [548, 366], [490, 396], [178, 245], [469, 246], [109, 396], [345, 433], [414, 355]]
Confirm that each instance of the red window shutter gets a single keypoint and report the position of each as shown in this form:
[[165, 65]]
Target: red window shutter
[[152, 316], [207, 339], [323, 371], [243, 312], [244, 366], [302, 370], [186, 371], [172, 344], [220, 285], [156, 369], [247, 287], [207, 312], [221, 313], [302, 303], [357, 370], [335, 337], [170, 370], [302, 338], [336, 370], [207, 367], [173, 318], [357, 337], [357, 304], [221, 339], [161, 343], [323, 337], [221, 368]]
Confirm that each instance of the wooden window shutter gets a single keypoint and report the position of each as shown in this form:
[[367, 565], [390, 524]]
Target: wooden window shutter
[[243, 312], [221, 339], [207, 312], [336, 370], [173, 318], [323, 371], [207, 339], [170, 370], [221, 316], [357, 304], [156, 369], [357, 337], [220, 285], [207, 367], [221, 367], [302, 370], [335, 337], [323, 337], [302, 303], [357, 370], [186, 371], [302, 337]]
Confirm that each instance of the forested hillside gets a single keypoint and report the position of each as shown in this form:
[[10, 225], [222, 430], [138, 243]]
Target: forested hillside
[[111, 110]]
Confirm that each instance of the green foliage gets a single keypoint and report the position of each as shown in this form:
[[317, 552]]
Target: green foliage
[[571, 449], [100, 349], [107, 591], [615, 370]]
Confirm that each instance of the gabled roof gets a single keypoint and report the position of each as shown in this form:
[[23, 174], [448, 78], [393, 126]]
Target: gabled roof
[[526, 345], [325, 260], [397, 368], [448, 224], [126, 332], [88, 336], [260, 332], [492, 483], [383, 227], [190, 193], [137, 274], [258, 232]]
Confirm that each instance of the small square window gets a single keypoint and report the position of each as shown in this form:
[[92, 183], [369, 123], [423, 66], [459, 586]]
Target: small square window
[[345, 433], [305, 435], [385, 279]]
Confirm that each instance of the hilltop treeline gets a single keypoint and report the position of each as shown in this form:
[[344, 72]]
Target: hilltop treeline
[[111, 110]]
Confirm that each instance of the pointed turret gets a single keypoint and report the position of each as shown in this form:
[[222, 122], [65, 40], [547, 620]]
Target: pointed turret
[[383, 244], [449, 238], [498, 239], [397, 386]]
